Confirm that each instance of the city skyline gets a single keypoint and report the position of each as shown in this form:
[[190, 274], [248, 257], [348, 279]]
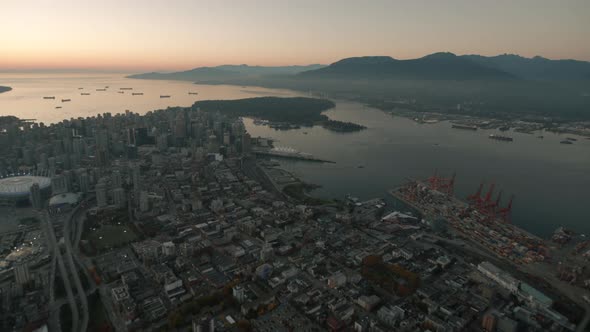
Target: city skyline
[[186, 34]]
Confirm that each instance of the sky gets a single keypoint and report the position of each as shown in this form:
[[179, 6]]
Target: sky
[[156, 35]]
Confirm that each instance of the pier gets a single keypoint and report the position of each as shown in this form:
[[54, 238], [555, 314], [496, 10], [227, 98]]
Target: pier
[[289, 155]]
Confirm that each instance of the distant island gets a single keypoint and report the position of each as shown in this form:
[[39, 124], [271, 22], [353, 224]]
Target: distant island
[[5, 88], [298, 111], [342, 126]]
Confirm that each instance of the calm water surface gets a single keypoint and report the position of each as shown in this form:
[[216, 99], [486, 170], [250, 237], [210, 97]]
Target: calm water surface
[[551, 181], [26, 98]]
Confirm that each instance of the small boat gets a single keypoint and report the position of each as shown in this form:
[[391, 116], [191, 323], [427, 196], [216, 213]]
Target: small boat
[[540, 136], [305, 133], [121, 91], [566, 142], [125, 88], [360, 166], [53, 97], [101, 89], [137, 94], [106, 87], [65, 100], [57, 107], [80, 88], [85, 94], [193, 93], [571, 139], [164, 96]]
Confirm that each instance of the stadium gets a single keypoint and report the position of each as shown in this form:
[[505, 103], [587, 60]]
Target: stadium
[[16, 189]]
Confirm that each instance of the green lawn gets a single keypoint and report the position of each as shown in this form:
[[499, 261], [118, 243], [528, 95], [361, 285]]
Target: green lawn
[[110, 236]]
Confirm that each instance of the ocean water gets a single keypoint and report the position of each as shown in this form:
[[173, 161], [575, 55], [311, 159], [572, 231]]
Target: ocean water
[[26, 98]]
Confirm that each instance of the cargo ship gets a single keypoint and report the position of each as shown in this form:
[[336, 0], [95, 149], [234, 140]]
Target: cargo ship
[[65, 100], [164, 96], [137, 94], [464, 126], [49, 97], [85, 94], [501, 138]]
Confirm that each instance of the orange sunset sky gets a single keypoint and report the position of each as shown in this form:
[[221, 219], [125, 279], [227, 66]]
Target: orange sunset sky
[[151, 35]]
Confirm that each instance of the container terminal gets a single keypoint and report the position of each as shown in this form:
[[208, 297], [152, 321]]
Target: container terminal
[[481, 220]]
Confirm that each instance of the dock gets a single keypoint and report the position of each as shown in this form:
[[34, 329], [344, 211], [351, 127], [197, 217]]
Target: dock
[[496, 235], [294, 156]]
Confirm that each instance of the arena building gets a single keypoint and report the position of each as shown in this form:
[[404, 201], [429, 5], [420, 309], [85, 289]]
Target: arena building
[[17, 189]]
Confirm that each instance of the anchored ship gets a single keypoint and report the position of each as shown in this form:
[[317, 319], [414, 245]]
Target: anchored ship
[[501, 138], [464, 126]]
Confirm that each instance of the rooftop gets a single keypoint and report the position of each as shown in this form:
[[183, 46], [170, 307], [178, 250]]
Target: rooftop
[[21, 185]]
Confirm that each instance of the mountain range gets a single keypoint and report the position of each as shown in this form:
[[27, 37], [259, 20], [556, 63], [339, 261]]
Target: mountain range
[[536, 68], [437, 66]]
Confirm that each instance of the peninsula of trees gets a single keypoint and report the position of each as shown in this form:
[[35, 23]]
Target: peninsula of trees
[[299, 111]]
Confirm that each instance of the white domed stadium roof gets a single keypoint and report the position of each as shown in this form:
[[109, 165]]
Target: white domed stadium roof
[[20, 186]]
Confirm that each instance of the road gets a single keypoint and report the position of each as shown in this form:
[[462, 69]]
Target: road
[[73, 269], [54, 310]]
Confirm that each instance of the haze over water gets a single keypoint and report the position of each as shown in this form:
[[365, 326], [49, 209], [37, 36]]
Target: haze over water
[[26, 98], [551, 181]]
